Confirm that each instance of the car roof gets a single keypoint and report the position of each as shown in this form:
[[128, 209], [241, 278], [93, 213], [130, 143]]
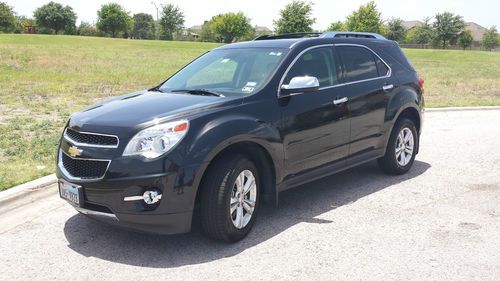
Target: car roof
[[305, 42], [278, 43]]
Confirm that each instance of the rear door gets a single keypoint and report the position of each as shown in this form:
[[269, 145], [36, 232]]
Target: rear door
[[368, 85], [314, 129]]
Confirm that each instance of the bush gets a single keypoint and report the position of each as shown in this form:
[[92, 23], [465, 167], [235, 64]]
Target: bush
[[87, 29]]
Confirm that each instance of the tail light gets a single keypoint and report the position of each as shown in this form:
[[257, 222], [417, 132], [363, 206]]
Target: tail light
[[421, 84]]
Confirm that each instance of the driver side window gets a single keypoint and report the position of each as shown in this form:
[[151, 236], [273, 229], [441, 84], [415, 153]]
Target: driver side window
[[317, 62]]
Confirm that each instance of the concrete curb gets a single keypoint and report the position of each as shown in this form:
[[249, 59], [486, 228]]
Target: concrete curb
[[25, 190], [465, 108]]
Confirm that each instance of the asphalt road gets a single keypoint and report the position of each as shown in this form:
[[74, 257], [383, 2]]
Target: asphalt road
[[441, 221]]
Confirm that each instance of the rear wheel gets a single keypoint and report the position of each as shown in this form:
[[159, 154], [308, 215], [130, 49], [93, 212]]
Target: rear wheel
[[401, 148], [229, 198]]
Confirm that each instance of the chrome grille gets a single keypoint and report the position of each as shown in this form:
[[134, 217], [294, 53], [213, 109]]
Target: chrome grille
[[90, 139], [82, 169]]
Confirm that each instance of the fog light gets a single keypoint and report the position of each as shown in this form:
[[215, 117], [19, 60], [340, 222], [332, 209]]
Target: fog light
[[149, 196]]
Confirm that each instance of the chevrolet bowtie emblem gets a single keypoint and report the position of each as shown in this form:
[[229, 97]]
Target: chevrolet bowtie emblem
[[74, 151]]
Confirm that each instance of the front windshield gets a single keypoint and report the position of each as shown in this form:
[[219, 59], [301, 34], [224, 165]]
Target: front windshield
[[228, 71]]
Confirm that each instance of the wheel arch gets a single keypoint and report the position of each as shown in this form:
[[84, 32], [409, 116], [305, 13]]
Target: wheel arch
[[410, 111], [255, 152]]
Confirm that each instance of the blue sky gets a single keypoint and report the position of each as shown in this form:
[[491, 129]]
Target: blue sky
[[262, 12]]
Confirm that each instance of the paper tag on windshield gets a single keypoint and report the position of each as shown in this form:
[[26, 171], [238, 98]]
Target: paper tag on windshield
[[251, 84], [247, 89], [224, 60]]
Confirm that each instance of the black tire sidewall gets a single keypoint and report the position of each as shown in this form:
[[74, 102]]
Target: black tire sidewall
[[389, 161], [215, 198], [405, 123]]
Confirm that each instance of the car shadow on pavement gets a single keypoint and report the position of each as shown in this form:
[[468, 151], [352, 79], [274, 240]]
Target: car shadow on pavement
[[303, 204]]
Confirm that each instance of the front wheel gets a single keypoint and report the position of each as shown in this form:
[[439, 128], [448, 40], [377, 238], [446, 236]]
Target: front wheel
[[401, 148], [229, 198]]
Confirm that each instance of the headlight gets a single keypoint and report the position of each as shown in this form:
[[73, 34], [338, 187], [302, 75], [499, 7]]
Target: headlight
[[157, 140]]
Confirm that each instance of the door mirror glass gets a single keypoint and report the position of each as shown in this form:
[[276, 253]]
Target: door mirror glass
[[300, 84]]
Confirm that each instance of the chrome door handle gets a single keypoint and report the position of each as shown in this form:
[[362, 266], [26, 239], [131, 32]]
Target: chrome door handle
[[387, 87], [339, 101]]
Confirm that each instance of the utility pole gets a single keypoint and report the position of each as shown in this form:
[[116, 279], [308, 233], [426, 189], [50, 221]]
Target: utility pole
[[157, 29]]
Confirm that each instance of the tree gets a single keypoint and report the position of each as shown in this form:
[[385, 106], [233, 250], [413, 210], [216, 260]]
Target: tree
[[144, 26], [424, 34], [7, 18], [395, 30], [465, 39], [295, 17], [491, 39], [227, 28], [366, 19], [87, 29], [56, 17], [171, 21], [231, 26], [112, 19], [23, 23], [337, 26], [447, 26], [207, 33]]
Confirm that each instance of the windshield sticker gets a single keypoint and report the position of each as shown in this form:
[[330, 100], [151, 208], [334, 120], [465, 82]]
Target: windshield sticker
[[224, 60], [251, 84], [247, 89], [275, 54]]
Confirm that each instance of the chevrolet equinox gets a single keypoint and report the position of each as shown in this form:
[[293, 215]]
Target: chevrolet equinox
[[236, 126]]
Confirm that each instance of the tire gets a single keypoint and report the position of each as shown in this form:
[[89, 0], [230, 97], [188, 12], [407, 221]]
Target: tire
[[398, 163], [220, 193]]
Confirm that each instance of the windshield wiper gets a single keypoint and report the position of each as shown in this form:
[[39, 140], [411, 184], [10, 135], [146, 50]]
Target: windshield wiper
[[156, 89], [201, 92]]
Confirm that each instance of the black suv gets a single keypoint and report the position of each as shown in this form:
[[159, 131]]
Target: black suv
[[236, 126]]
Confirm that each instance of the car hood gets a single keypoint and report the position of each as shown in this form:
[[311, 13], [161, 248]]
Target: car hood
[[144, 108]]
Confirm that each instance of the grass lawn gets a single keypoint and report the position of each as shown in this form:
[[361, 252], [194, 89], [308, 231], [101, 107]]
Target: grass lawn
[[43, 79], [458, 78]]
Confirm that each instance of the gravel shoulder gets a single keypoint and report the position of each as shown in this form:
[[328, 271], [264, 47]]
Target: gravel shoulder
[[441, 221]]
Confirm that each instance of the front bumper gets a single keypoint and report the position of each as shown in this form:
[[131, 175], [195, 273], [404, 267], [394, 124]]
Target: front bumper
[[103, 199], [106, 178], [158, 224]]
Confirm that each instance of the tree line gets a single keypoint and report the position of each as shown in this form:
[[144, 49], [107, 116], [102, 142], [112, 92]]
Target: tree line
[[113, 20], [447, 29]]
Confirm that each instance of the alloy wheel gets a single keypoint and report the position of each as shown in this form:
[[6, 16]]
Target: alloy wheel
[[404, 146], [243, 198]]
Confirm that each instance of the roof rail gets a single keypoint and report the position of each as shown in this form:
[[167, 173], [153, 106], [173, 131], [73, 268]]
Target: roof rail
[[289, 36], [351, 34], [331, 34]]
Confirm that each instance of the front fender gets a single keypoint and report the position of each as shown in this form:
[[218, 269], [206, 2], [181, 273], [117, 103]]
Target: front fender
[[218, 134]]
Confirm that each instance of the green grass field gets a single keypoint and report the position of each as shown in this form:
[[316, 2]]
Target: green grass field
[[43, 79]]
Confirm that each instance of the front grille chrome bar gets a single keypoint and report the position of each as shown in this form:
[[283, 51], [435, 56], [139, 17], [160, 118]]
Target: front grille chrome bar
[[75, 142], [70, 177]]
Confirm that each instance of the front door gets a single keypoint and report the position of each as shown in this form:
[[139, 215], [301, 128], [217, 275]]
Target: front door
[[314, 129]]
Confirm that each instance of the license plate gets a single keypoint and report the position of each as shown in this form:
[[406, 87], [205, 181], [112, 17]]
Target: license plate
[[70, 192]]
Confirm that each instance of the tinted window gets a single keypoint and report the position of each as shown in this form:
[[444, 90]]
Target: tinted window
[[359, 63], [381, 67], [317, 62]]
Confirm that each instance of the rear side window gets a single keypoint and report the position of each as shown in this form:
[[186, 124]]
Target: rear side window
[[317, 62], [383, 70], [359, 63]]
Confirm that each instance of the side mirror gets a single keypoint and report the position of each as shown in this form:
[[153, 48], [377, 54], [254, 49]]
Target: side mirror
[[300, 84]]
